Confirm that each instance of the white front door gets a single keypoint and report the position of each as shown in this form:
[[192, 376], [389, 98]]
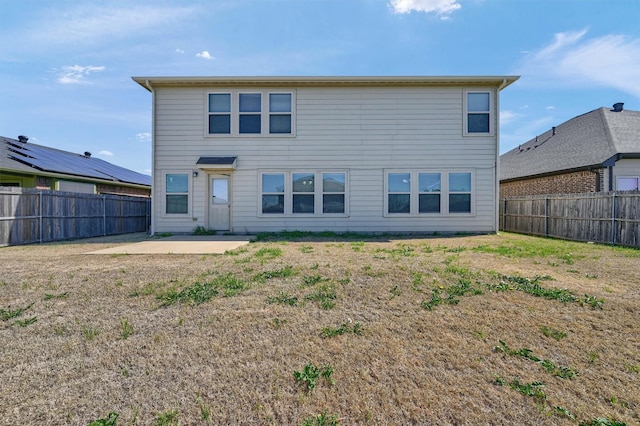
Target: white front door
[[219, 203]]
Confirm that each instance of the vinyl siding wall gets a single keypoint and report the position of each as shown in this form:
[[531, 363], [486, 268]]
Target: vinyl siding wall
[[362, 131]]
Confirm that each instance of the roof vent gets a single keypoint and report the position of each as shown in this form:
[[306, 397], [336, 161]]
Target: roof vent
[[87, 154], [553, 130], [617, 107], [23, 139]]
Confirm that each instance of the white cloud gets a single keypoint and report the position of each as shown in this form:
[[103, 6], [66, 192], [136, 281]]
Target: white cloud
[[442, 8], [205, 55], [550, 107], [144, 137], [507, 116], [574, 59], [179, 51], [106, 153], [76, 74]]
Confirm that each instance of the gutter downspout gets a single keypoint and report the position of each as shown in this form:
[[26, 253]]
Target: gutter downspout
[[497, 162], [147, 83]]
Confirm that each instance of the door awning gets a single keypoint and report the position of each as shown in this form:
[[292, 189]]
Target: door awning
[[217, 163]]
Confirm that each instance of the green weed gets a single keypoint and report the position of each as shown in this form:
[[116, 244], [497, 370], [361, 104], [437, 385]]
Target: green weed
[[89, 333], [26, 322], [126, 328], [200, 292], [306, 249], [283, 298], [322, 419], [9, 314], [201, 230], [311, 280], [169, 417], [284, 272], [532, 287], [602, 421], [325, 295], [401, 250], [564, 412], [552, 332], [548, 365], [48, 296], [310, 375], [342, 329], [449, 296], [268, 253], [110, 420]]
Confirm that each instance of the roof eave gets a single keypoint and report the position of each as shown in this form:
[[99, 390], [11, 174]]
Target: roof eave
[[329, 81]]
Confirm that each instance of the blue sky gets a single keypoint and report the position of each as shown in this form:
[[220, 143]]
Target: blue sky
[[66, 66]]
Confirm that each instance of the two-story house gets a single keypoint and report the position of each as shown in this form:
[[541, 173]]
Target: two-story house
[[346, 154]]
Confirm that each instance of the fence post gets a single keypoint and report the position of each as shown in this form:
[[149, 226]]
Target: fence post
[[104, 215], [546, 216], [40, 215], [613, 218]]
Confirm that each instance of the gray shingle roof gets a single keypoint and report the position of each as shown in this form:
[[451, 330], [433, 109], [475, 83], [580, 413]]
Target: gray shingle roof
[[28, 157], [588, 140]]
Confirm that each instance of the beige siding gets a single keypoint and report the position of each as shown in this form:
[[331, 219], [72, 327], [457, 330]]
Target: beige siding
[[362, 131], [628, 167]]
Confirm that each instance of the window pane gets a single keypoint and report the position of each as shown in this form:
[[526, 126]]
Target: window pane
[[627, 184], [220, 124], [250, 123], [478, 102], [459, 203], [333, 203], [273, 182], [303, 182], [478, 123], [177, 183], [250, 102], [177, 204], [220, 102], [459, 182], [273, 204], [399, 182], [333, 182], [399, 203], [429, 182], [220, 189], [429, 203], [280, 102], [280, 123], [303, 203]]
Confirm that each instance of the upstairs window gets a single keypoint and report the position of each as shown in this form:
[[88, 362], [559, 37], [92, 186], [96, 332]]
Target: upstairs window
[[478, 113], [250, 116], [220, 113], [259, 113]]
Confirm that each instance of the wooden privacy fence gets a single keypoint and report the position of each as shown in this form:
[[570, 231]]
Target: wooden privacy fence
[[611, 217], [35, 216]]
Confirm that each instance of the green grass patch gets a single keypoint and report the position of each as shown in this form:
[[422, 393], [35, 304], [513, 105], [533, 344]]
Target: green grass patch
[[548, 365], [450, 295], [322, 419], [310, 375], [532, 287], [26, 322], [325, 295], [228, 285], [553, 333], [311, 280], [283, 298], [268, 253], [110, 420], [283, 272], [7, 314], [343, 328], [201, 230]]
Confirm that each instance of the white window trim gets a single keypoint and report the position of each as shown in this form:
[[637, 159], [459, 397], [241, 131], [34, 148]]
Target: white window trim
[[465, 113], [164, 194], [264, 114], [627, 177], [318, 194], [415, 194]]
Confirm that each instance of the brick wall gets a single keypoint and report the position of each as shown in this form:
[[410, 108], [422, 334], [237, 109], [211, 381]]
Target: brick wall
[[567, 183]]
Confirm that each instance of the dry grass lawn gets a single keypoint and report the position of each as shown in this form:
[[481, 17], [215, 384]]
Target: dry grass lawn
[[407, 330]]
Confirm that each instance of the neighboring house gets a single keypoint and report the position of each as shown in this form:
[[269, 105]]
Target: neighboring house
[[29, 165], [594, 152], [360, 154]]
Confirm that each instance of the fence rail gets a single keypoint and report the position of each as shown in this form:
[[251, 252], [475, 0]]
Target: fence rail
[[611, 217], [34, 216]]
